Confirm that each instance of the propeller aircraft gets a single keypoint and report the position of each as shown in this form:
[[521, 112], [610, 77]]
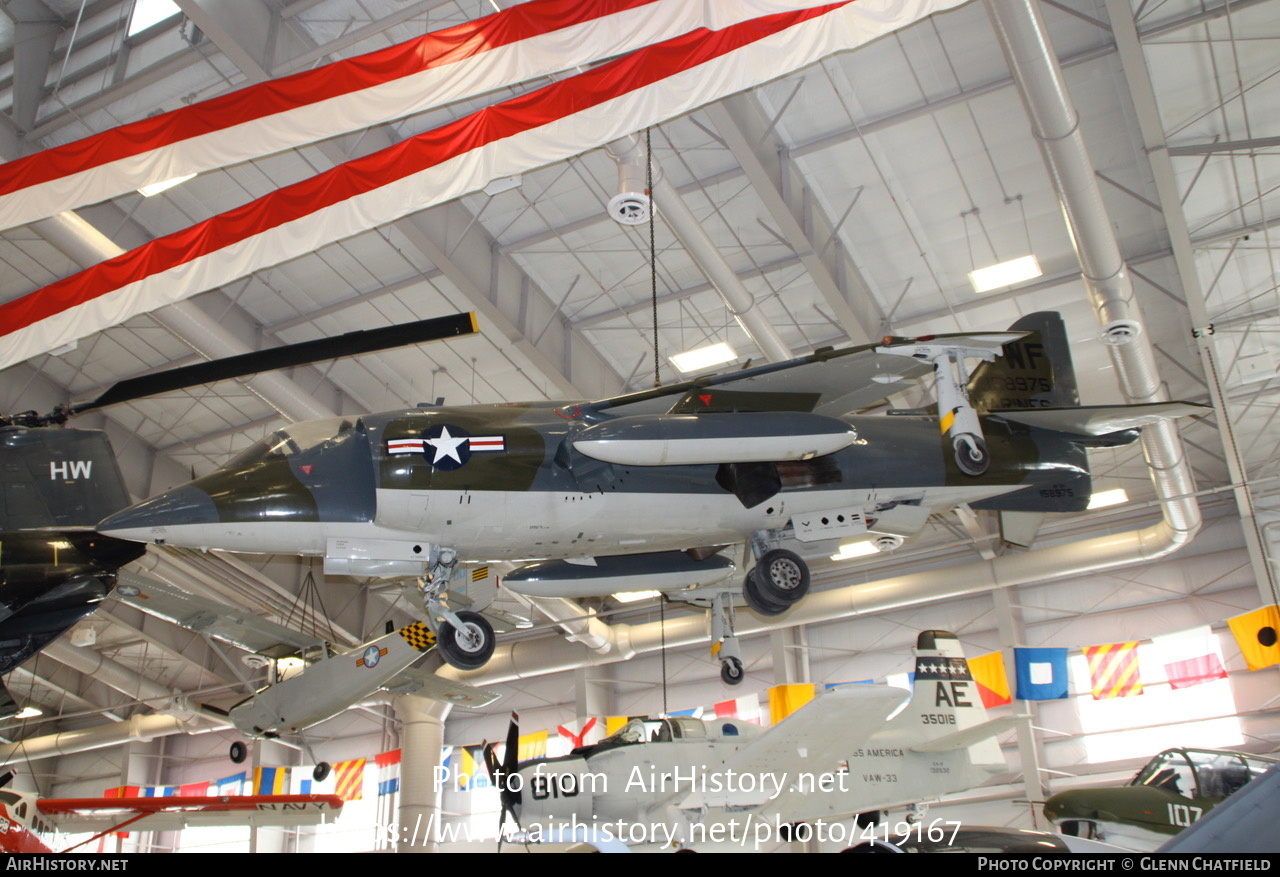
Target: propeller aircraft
[[1173, 791], [693, 784], [650, 488], [309, 680], [57, 483]]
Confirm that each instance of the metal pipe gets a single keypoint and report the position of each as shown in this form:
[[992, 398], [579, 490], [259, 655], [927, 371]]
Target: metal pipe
[[1056, 126]]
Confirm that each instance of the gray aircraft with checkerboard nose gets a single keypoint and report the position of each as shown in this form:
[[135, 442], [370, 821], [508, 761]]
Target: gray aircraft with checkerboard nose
[[647, 490]]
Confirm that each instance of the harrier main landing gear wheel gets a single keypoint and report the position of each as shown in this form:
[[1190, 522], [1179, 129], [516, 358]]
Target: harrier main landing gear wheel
[[782, 577], [239, 752], [731, 672], [971, 454], [471, 646], [321, 772], [753, 593]]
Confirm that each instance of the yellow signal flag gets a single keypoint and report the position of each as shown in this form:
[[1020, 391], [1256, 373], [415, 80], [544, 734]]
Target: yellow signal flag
[[992, 680], [786, 699], [1258, 635], [532, 745]]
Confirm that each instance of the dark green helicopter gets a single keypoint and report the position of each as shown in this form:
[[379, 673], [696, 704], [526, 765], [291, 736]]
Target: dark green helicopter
[[646, 490], [57, 483]]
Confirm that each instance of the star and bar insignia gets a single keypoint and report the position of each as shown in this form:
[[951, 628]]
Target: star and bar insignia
[[447, 447]]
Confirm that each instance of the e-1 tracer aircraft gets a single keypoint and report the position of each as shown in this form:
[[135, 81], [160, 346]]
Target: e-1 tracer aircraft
[[679, 782], [323, 682], [653, 485], [1173, 791]]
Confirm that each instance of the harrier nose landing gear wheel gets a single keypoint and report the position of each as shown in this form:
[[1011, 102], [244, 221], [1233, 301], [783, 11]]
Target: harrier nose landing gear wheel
[[470, 646]]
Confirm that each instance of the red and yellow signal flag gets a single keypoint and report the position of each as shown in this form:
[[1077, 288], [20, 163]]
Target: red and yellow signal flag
[[1113, 670], [991, 679], [348, 779]]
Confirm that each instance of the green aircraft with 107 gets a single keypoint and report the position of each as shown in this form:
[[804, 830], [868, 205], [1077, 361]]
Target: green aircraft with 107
[[1173, 791], [647, 490]]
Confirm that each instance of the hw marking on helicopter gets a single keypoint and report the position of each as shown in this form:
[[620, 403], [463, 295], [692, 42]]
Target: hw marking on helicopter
[[657, 482]]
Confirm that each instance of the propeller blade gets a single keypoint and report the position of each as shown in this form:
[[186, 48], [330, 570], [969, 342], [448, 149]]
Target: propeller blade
[[350, 344], [511, 756], [490, 760]]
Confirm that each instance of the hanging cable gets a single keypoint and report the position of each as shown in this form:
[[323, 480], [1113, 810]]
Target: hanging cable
[[662, 628], [653, 267]]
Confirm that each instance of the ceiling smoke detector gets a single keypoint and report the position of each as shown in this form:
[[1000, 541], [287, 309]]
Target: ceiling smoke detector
[[629, 208]]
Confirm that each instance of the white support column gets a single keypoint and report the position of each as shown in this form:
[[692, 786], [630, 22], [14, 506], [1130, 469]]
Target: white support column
[[790, 649], [1009, 623], [422, 739], [592, 693]]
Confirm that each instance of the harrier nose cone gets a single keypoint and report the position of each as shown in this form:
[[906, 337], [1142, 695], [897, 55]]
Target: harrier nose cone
[[182, 506]]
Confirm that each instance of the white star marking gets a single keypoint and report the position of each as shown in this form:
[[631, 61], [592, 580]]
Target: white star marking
[[446, 446]]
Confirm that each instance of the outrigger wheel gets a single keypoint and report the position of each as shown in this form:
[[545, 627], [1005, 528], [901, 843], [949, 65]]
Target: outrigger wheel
[[471, 647], [731, 672], [321, 771], [971, 454], [239, 752]]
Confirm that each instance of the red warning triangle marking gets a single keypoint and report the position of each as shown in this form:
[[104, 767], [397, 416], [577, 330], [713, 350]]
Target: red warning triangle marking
[[706, 400]]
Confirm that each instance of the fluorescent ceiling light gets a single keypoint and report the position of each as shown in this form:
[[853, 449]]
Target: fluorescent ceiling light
[[1004, 274], [1108, 497], [149, 12], [635, 596], [156, 188], [703, 357], [851, 550], [29, 712]]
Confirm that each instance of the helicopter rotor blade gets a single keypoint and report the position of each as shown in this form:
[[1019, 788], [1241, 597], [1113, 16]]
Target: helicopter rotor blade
[[349, 344]]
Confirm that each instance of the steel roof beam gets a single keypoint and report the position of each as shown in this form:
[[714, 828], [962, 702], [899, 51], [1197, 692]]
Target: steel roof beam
[[795, 209]]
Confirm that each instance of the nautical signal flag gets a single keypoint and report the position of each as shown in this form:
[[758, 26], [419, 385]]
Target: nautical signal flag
[[270, 780], [1041, 673], [1190, 657], [786, 699], [992, 681], [123, 792], [746, 708], [1258, 635], [389, 770], [348, 779], [232, 785], [1113, 670], [577, 733], [532, 745]]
